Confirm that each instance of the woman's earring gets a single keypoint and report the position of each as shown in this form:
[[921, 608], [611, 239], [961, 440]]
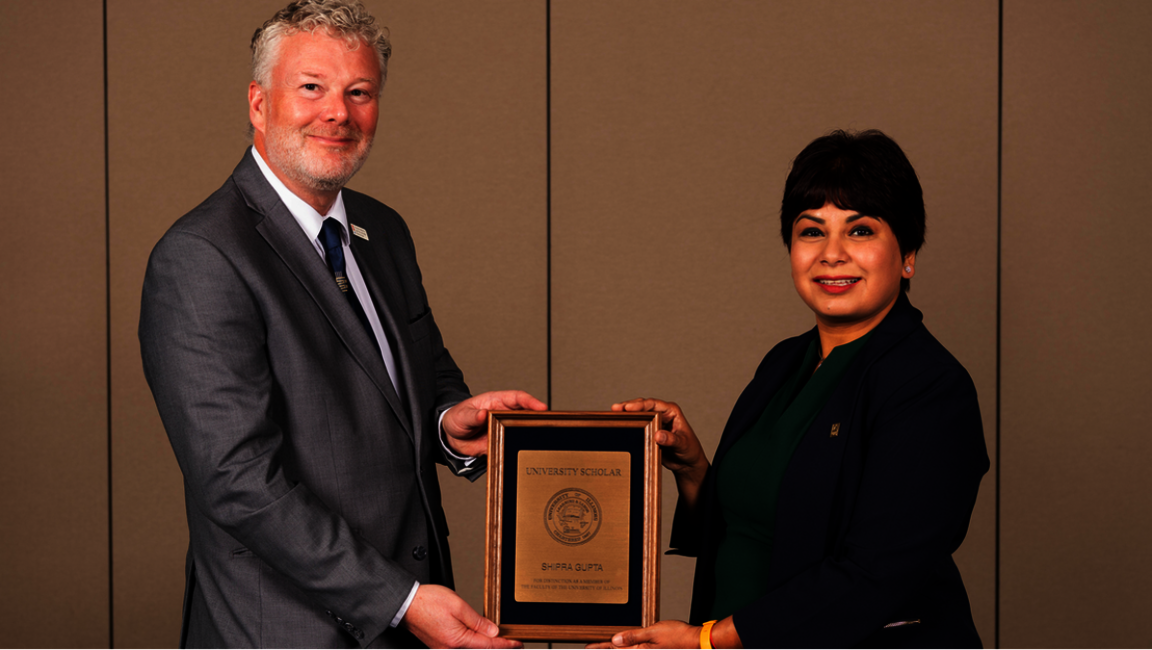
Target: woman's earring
[[907, 269]]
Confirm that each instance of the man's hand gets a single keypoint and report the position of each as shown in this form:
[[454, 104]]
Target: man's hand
[[467, 423], [441, 619]]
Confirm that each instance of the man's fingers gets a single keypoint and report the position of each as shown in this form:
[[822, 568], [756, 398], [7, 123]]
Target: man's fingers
[[486, 627], [501, 642], [467, 419], [464, 421], [536, 404], [518, 399], [474, 621], [441, 619], [472, 639], [508, 400], [469, 617], [481, 632]]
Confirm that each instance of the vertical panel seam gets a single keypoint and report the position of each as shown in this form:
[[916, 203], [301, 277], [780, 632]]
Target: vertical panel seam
[[999, 247], [108, 321], [548, 183]]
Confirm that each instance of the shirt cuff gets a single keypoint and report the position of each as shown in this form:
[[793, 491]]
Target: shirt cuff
[[467, 460], [404, 608]]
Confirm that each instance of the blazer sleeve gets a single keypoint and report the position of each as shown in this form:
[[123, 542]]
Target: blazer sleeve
[[685, 539], [923, 461], [203, 345], [450, 386]]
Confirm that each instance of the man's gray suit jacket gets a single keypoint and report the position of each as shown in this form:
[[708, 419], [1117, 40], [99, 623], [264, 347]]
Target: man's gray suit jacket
[[312, 498]]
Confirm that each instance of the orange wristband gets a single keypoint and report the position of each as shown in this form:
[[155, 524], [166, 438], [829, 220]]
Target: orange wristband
[[706, 635]]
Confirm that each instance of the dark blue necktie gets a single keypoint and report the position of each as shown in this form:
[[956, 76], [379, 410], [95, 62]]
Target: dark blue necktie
[[330, 239]]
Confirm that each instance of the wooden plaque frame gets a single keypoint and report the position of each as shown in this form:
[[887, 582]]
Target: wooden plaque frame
[[645, 584]]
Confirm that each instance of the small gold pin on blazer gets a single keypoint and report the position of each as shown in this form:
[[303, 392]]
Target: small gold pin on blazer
[[359, 232], [835, 430]]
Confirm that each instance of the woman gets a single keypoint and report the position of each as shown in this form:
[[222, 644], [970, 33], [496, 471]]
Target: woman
[[846, 475]]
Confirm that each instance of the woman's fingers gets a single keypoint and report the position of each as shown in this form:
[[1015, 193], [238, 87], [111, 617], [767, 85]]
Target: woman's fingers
[[643, 404], [681, 450], [669, 411], [673, 441]]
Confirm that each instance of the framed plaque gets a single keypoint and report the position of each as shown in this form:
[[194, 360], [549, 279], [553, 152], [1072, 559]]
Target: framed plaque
[[573, 524]]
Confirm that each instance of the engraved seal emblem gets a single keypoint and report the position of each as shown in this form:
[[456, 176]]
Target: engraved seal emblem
[[572, 516]]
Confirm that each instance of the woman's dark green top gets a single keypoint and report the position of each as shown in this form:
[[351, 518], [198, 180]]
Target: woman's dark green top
[[749, 476]]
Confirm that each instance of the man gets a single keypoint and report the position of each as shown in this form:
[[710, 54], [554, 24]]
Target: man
[[300, 375]]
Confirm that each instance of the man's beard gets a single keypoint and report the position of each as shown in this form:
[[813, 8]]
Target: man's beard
[[287, 151]]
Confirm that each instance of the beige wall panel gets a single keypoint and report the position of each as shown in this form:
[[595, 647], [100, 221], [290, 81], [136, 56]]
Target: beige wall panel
[[1077, 143], [53, 372], [674, 125], [459, 152]]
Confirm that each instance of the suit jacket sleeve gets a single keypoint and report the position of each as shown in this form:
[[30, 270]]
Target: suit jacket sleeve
[[205, 357], [450, 386], [922, 468]]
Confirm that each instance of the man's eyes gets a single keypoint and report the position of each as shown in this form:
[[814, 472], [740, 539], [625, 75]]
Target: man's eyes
[[356, 93]]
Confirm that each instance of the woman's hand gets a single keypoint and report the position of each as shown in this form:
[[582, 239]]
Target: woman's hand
[[680, 449], [665, 634], [675, 634]]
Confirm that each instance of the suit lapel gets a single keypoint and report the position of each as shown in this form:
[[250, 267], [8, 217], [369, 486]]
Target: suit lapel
[[280, 229], [382, 279]]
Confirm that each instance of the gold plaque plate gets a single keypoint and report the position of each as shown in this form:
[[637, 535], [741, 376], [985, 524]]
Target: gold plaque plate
[[572, 526]]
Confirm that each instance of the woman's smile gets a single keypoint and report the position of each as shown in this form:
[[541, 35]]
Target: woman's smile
[[837, 284]]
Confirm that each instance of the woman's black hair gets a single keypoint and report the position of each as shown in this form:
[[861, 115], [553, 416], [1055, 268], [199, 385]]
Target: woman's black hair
[[865, 172]]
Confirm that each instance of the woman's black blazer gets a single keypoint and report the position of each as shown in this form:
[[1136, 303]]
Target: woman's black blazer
[[876, 498]]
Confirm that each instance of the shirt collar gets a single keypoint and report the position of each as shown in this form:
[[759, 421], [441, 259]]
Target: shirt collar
[[309, 219]]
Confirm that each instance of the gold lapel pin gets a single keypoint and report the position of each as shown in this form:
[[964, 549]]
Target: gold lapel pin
[[835, 430], [359, 232]]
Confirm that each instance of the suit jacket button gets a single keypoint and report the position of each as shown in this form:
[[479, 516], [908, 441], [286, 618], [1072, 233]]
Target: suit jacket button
[[419, 552]]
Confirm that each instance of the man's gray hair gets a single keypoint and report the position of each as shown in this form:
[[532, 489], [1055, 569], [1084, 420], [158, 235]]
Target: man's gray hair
[[347, 19]]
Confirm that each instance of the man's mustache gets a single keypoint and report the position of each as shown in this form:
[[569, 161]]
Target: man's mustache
[[348, 134]]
